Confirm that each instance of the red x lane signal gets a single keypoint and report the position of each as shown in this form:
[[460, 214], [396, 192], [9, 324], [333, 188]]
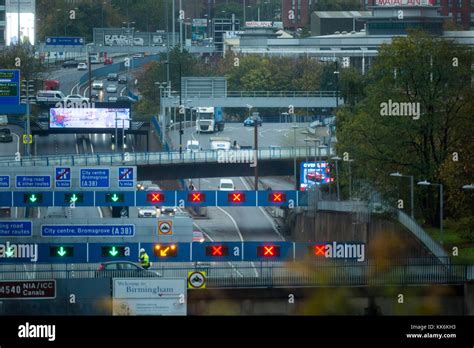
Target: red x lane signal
[[268, 251], [155, 197], [236, 197], [319, 250], [196, 197], [217, 250], [277, 197]]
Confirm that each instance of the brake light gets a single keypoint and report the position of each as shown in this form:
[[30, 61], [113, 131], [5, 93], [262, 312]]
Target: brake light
[[101, 267]]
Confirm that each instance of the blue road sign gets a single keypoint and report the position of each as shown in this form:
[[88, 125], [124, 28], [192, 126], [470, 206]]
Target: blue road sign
[[125, 176], [33, 181], [6, 199], [87, 230], [101, 252], [63, 177], [16, 229], [42, 199], [217, 251], [4, 181], [64, 41], [92, 177], [9, 88], [236, 198], [84, 198], [268, 251]]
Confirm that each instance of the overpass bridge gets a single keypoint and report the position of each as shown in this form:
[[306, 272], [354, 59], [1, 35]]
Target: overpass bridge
[[273, 161], [257, 99]]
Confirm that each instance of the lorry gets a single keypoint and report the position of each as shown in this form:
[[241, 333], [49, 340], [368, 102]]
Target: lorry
[[209, 119]]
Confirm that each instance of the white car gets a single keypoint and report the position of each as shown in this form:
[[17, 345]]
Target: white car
[[147, 212], [198, 237], [82, 66], [226, 185], [111, 88], [153, 188], [192, 146], [76, 98], [97, 84]]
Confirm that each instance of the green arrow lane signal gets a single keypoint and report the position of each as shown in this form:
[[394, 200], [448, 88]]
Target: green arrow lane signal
[[32, 198], [73, 198], [61, 251], [9, 252], [113, 251], [114, 197]]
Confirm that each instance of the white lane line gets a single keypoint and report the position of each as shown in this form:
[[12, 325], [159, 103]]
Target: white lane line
[[212, 240], [18, 143], [85, 91], [74, 87], [264, 212], [233, 222], [77, 148], [122, 90], [90, 143]]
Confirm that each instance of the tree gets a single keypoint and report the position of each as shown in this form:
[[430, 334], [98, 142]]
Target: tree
[[430, 73]]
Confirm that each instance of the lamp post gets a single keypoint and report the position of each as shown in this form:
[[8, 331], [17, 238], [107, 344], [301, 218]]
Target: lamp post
[[427, 183], [412, 206], [350, 179], [180, 107], [336, 74], [161, 86], [337, 159], [130, 59], [294, 127]]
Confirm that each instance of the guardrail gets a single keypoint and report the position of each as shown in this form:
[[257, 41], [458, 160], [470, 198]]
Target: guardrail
[[272, 274], [149, 158]]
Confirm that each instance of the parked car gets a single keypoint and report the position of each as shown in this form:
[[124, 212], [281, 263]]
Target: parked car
[[122, 79], [250, 121], [70, 64], [6, 135], [82, 66], [123, 269], [112, 77], [97, 84], [111, 88]]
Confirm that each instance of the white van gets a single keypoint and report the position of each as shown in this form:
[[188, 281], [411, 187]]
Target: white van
[[226, 185], [49, 97]]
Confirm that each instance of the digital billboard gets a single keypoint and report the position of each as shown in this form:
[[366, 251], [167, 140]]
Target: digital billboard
[[20, 17], [89, 118], [314, 173], [9, 87]]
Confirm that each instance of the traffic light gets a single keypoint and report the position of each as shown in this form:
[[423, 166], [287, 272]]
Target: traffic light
[[268, 251], [113, 251], [217, 250], [196, 197], [73, 198], [236, 197], [33, 198], [61, 251], [114, 197], [155, 197], [165, 250], [277, 197]]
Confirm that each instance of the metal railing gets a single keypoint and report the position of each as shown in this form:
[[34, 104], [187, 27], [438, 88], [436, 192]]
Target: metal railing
[[149, 158], [258, 94], [263, 274]]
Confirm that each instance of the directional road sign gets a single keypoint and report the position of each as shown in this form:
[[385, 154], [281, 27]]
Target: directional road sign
[[63, 177], [4, 181], [95, 177], [9, 88], [15, 228], [125, 176], [64, 41], [87, 230], [33, 181]]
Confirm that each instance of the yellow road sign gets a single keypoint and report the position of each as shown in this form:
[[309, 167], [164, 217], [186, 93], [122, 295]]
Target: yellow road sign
[[196, 280], [27, 139]]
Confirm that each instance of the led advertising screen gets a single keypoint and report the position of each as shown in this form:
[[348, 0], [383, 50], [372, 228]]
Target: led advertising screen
[[109, 118], [314, 173]]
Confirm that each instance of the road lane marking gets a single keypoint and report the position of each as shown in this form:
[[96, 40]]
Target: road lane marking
[[74, 87]]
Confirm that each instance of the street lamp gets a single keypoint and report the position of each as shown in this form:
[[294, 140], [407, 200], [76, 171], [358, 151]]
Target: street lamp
[[350, 178], [130, 59], [180, 106], [337, 159], [398, 175], [294, 127], [336, 74], [161, 86], [427, 183]]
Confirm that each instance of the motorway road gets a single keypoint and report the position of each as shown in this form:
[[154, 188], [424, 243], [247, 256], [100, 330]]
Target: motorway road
[[236, 223], [269, 134]]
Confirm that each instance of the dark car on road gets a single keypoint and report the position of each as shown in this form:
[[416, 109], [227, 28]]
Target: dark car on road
[[123, 269], [6, 135], [250, 121], [70, 64], [112, 77]]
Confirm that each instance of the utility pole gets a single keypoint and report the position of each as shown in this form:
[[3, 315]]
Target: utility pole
[[255, 140]]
